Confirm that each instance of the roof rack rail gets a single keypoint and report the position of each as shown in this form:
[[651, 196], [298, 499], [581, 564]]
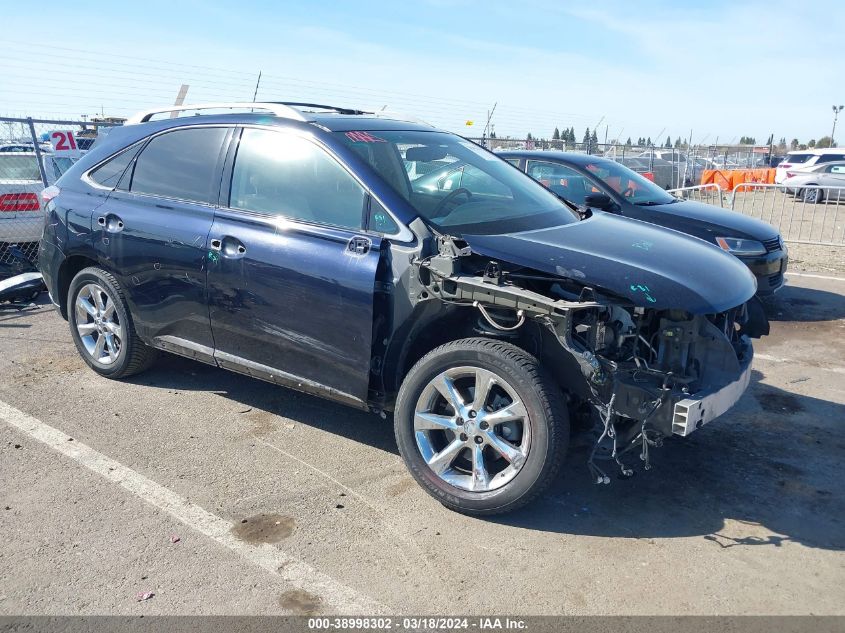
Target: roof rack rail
[[320, 106], [387, 113], [278, 109]]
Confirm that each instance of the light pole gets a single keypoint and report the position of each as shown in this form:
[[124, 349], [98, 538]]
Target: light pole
[[836, 111]]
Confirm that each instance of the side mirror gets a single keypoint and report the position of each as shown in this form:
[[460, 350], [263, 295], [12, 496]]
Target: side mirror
[[599, 201]]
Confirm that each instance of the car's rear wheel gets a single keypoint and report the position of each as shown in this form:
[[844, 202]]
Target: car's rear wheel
[[481, 426], [813, 196], [102, 328]]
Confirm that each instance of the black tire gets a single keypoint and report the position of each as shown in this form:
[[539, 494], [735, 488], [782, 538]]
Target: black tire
[[543, 401], [134, 356]]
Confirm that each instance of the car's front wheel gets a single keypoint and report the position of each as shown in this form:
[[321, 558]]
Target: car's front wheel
[[481, 426], [102, 327]]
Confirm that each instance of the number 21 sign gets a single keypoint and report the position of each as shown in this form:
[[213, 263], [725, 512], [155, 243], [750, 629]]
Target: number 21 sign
[[64, 143]]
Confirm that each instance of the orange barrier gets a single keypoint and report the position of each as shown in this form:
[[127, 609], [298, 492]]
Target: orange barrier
[[727, 179]]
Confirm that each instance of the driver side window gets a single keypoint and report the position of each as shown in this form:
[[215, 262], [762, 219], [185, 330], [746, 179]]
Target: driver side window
[[282, 174], [564, 181]]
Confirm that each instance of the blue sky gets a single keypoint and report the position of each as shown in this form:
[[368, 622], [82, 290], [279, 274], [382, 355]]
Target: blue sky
[[649, 68]]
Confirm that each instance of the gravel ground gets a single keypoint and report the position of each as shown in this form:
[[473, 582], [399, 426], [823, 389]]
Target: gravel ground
[[820, 259]]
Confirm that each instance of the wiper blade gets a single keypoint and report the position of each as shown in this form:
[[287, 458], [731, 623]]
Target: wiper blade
[[649, 203]]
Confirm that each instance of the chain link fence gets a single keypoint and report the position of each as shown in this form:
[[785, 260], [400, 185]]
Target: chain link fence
[[34, 153]]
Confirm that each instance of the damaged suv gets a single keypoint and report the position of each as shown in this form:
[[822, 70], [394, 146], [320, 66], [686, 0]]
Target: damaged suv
[[303, 246]]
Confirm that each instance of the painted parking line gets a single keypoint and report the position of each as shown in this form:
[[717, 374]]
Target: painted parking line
[[776, 359], [829, 277], [338, 597]]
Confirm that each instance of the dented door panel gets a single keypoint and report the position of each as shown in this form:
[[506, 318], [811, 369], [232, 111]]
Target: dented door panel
[[298, 299], [156, 248]]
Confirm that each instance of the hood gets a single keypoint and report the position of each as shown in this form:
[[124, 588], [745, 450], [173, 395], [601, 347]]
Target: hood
[[652, 266], [708, 222]]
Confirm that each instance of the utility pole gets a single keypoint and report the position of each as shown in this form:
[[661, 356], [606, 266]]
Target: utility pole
[[836, 111], [487, 126], [257, 83], [180, 99]]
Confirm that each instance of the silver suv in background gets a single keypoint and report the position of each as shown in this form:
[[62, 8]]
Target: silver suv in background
[[805, 159]]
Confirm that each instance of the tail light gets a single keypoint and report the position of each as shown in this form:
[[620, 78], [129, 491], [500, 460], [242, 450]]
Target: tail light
[[785, 165], [790, 174], [49, 193], [10, 202]]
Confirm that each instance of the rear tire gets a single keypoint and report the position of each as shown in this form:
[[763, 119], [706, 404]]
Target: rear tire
[[497, 438], [813, 196], [102, 327]]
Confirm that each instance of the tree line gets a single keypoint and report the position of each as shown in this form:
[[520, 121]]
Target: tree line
[[590, 138]]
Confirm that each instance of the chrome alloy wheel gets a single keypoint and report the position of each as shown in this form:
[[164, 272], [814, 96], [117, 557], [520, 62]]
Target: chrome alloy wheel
[[98, 324], [472, 429]]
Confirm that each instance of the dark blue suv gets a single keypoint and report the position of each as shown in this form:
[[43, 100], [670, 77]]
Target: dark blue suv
[[303, 245]]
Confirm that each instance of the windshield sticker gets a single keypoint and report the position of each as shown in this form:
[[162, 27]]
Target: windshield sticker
[[364, 137], [478, 151], [645, 290]]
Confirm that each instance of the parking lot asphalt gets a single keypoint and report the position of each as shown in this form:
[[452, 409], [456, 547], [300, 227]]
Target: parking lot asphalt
[[219, 494]]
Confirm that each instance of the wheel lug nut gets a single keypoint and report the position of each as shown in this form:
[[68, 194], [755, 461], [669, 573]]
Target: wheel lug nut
[[483, 425], [463, 437], [478, 439], [472, 414]]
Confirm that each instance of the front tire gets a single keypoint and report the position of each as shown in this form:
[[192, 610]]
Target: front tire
[[481, 426], [102, 327]]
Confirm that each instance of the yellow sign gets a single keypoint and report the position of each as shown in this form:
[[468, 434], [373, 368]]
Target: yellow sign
[[469, 123]]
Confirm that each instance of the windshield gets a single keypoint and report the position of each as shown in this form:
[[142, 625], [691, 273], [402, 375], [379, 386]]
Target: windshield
[[629, 184], [15, 166], [456, 185]]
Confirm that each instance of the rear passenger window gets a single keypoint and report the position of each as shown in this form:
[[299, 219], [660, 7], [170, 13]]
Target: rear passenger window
[[108, 174], [282, 174], [829, 158], [181, 164]]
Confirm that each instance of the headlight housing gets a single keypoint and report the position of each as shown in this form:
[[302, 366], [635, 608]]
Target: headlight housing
[[741, 246]]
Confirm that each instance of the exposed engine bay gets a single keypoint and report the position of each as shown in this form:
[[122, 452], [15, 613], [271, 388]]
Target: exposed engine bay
[[644, 373]]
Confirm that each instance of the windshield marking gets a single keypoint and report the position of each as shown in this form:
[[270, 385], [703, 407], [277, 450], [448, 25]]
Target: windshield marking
[[364, 137]]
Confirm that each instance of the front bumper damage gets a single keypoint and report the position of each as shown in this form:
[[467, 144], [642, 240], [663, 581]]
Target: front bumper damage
[[695, 411], [646, 374]]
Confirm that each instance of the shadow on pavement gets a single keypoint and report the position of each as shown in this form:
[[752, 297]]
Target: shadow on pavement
[[794, 303], [174, 372], [771, 461]]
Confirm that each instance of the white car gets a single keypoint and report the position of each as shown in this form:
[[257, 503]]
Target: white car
[[830, 178], [21, 210], [804, 159]]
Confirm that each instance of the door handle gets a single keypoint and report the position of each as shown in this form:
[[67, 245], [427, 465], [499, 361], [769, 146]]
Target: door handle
[[228, 246], [358, 245], [111, 222]]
